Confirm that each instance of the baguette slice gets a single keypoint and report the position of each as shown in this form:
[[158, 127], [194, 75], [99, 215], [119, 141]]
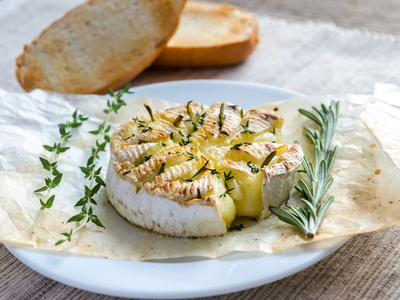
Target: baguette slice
[[210, 35], [98, 45]]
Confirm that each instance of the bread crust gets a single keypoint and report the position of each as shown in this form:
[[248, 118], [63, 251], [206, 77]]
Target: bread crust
[[222, 53], [35, 72]]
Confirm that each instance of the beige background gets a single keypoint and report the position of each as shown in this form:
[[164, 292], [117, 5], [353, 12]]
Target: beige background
[[314, 47]]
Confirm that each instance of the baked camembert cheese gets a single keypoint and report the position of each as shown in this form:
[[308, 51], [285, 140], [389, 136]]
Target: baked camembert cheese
[[189, 171]]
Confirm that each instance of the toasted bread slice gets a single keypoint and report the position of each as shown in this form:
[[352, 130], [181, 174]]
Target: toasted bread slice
[[98, 45], [210, 34]]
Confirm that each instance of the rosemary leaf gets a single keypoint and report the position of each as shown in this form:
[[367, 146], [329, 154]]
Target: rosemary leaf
[[268, 159]]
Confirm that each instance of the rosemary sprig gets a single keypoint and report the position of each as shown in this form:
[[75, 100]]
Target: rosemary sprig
[[91, 173], [309, 218], [52, 166]]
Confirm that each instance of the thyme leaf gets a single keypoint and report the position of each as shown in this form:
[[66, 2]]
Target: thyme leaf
[[253, 167], [191, 156]]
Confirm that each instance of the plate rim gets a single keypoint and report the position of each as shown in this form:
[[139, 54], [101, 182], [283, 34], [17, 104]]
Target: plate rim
[[23, 254]]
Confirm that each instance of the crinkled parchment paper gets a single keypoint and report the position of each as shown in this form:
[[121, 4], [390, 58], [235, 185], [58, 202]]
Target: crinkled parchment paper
[[366, 184]]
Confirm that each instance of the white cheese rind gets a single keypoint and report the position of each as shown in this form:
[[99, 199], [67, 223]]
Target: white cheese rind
[[160, 214]]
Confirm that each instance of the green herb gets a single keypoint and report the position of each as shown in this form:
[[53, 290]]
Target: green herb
[[199, 194], [273, 130], [143, 142], [237, 146], [183, 141], [178, 120], [146, 158], [136, 119], [148, 108], [188, 109], [162, 168], [238, 228], [222, 117], [214, 171], [91, 173], [227, 177], [126, 172], [202, 169], [191, 156], [52, 166], [226, 193], [253, 167], [268, 159], [129, 137], [309, 218], [201, 117], [241, 113], [246, 128], [171, 135], [145, 127], [224, 132]]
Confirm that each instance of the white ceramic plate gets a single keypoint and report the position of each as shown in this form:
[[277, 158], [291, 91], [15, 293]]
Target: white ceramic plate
[[185, 277]]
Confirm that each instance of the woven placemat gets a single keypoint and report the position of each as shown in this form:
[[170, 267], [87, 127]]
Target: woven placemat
[[312, 58]]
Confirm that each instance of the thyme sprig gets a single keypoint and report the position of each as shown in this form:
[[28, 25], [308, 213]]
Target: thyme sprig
[[191, 156], [91, 172], [198, 118], [253, 167], [228, 190], [246, 128], [309, 218], [184, 142], [52, 165]]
